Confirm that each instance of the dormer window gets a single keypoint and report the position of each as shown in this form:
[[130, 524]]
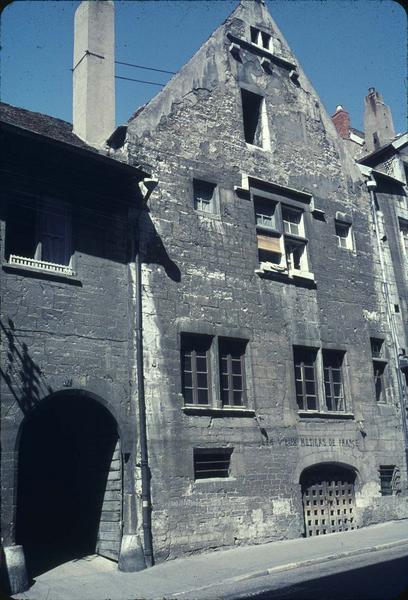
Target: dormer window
[[261, 38]]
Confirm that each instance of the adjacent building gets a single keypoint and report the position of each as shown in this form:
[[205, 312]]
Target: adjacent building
[[243, 308]]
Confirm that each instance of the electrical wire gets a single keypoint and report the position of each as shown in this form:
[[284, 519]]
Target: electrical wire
[[119, 62], [140, 81]]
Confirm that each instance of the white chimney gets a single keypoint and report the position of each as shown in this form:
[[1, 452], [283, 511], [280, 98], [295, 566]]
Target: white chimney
[[94, 71]]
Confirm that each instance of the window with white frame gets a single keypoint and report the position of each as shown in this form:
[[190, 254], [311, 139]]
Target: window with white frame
[[38, 233], [280, 229], [344, 235], [261, 38], [204, 196]]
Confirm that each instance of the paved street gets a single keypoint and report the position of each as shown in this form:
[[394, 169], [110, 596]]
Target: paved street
[[239, 572]]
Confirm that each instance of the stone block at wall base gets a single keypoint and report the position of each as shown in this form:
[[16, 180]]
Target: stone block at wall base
[[131, 557], [14, 572]]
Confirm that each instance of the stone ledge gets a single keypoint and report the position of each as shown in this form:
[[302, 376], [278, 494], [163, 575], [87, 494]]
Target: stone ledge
[[39, 274]]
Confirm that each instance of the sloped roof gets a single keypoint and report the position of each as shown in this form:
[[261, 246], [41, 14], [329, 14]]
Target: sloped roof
[[55, 129]]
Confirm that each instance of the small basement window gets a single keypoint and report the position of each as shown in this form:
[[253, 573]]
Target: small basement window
[[204, 196], [389, 480], [212, 462], [255, 119]]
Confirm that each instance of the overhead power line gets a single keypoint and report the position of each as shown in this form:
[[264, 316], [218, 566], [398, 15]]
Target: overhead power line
[[140, 81], [119, 62]]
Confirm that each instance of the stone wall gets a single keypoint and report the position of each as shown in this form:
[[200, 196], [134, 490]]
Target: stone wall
[[201, 278]]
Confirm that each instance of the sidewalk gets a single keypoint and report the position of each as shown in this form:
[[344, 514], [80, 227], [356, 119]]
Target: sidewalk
[[95, 578]]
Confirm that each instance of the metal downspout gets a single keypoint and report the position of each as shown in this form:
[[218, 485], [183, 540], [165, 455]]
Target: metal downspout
[[144, 457], [371, 185]]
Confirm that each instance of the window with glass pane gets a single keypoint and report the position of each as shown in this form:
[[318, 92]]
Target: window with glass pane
[[265, 212], [292, 221], [204, 196], [232, 376], [195, 368], [39, 228], [342, 233], [333, 380], [305, 378]]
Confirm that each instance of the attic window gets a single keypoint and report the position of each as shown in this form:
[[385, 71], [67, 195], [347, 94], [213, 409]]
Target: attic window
[[255, 119], [260, 38], [212, 462]]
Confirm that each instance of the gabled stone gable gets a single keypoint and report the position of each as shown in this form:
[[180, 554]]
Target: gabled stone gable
[[200, 276]]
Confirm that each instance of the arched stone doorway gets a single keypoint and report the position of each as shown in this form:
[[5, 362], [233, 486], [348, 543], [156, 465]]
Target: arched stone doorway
[[328, 499], [69, 493]]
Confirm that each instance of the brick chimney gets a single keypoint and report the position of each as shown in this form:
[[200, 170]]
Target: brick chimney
[[341, 120], [94, 72], [378, 124]]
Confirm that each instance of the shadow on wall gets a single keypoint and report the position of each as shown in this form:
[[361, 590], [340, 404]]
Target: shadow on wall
[[154, 251], [22, 376]]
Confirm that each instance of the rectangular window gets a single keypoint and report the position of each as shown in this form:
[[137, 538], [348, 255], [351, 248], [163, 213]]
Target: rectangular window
[[376, 347], [260, 38], [204, 196], [195, 366], [379, 366], [305, 378], [38, 233], [343, 234], [404, 235], [295, 252], [292, 221], [232, 372], [212, 462], [333, 380], [379, 381], [389, 480], [280, 235], [255, 120], [265, 213]]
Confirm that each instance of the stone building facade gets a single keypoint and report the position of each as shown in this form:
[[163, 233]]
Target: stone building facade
[[268, 219], [268, 361]]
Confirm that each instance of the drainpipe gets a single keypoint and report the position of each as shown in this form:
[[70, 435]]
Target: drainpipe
[[146, 187], [372, 186]]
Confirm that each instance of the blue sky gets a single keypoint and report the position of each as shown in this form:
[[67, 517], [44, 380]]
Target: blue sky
[[344, 46]]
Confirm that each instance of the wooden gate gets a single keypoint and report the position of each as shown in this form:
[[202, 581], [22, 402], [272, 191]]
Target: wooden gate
[[328, 500]]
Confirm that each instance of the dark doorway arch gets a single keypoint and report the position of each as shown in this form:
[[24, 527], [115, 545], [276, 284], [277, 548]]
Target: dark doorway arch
[[328, 499], [69, 472]]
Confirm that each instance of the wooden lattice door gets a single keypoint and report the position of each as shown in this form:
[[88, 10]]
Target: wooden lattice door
[[328, 500]]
